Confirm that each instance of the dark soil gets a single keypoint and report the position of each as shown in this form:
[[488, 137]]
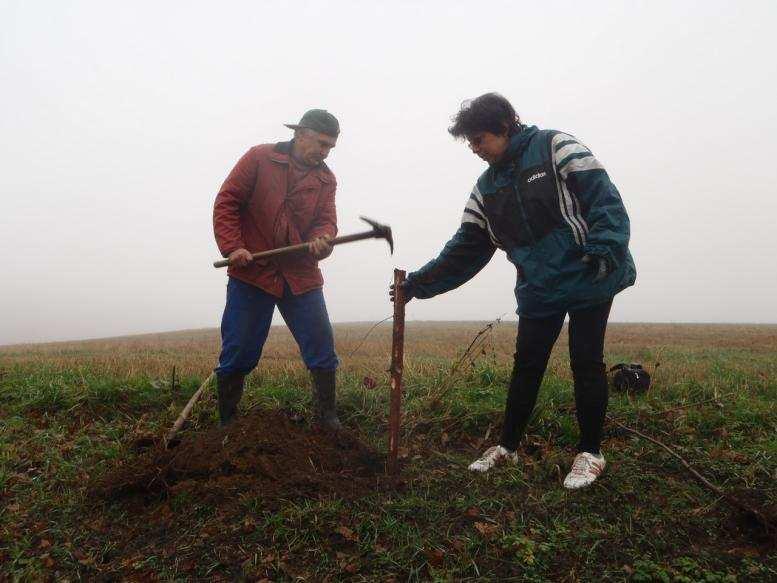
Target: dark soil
[[264, 452], [760, 528]]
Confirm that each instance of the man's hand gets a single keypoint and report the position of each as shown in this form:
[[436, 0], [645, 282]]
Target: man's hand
[[600, 263], [320, 247], [240, 257], [407, 288]]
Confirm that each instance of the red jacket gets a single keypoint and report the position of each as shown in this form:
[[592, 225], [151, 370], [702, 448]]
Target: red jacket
[[254, 211]]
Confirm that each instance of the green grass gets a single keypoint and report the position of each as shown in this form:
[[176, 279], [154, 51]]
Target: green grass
[[63, 422]]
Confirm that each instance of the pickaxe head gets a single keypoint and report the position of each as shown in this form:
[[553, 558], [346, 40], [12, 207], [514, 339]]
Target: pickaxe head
[[381, 232]]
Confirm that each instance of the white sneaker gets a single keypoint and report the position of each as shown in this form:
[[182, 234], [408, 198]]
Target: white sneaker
[[585, 469], [493, 456]]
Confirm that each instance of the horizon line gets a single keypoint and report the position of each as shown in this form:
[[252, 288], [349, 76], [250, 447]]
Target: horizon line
[[369, 322]]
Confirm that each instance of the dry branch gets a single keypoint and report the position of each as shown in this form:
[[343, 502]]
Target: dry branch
[[477, 341], [364, 339], [736, 502]]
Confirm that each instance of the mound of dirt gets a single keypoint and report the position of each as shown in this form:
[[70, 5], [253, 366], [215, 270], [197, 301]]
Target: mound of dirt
[[263, 452]]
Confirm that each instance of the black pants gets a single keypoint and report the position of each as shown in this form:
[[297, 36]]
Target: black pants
[[536, 338]]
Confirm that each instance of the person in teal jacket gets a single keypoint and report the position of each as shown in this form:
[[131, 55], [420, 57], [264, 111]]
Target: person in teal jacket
[[548, 203]]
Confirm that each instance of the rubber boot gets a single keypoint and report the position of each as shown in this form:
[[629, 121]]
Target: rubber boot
[[324, 407], [229, 388]]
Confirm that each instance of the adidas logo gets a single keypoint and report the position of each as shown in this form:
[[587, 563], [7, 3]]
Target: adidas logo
[[534, 177]]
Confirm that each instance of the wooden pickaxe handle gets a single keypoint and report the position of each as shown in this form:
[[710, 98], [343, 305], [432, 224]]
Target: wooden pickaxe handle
[[304, 247]]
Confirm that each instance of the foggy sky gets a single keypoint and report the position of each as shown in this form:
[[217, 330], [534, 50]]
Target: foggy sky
[[120, 121]]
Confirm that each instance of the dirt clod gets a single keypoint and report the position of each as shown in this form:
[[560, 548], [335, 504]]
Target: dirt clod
[[264, 452]]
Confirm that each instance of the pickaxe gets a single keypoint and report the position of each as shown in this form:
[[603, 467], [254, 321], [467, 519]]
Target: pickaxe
[[378, 231]]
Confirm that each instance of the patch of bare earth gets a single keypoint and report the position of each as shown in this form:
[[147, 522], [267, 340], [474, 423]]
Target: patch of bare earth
[[264, 452]]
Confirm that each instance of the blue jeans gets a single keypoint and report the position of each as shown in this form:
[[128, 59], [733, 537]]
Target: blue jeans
[[246, 323]]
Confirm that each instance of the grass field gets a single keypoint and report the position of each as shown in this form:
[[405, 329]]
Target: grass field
[[69, 413]]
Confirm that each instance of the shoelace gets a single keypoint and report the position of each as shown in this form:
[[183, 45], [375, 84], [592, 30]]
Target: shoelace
[[489, 453], [580, 466]]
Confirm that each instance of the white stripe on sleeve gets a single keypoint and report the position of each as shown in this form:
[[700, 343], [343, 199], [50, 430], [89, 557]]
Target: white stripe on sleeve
[[575, 148], [579, 165], [474, 212], [567, 202]]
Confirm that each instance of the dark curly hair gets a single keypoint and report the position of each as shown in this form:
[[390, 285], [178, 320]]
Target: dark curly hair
[[490, 112]]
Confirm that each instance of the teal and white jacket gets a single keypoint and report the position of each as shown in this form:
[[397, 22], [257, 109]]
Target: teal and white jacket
[[547, 203]]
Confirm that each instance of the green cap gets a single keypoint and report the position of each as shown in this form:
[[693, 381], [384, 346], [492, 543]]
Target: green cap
[[318, 120]]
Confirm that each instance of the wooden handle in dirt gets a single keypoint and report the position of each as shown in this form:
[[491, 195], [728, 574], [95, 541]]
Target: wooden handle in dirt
[[186, 410]]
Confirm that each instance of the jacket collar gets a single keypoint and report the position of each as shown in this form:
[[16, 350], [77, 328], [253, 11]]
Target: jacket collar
[[518, 143], [281, 153], [501, 174]]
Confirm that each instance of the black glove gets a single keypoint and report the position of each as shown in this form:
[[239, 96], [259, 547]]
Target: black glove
[[600, 264], [407, 288]]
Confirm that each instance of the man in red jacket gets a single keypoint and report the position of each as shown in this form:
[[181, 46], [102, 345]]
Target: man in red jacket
[[277, 195]]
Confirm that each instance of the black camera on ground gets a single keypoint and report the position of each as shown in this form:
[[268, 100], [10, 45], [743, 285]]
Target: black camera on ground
[[629, 378]]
